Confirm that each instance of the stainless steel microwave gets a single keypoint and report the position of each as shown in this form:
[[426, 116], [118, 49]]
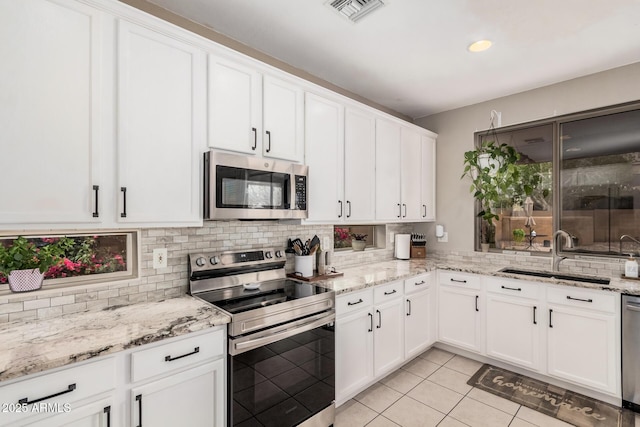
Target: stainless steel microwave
[[244, 187]]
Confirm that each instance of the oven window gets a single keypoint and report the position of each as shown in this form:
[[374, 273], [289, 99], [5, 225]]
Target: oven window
[[284, 383], [246, 188]]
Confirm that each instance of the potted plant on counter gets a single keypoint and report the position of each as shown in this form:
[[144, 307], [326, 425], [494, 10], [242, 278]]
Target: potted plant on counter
[[23, 263], [358, 241]]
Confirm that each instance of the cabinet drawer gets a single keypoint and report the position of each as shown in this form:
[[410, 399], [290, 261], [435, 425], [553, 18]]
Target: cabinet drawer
[[513, 287], [353, 301], [465, 280], [65, 386], [584, 298], [418, 283], [176, 355], [388, 291]]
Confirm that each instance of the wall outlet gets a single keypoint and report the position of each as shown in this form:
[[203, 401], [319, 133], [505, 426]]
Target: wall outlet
[[444, 238], [326, 244], [392, 237], [160, 258]]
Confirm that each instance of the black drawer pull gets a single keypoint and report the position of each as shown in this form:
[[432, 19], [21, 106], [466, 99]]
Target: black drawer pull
[[349, 206], [399, 211], [550, 324], [419, 283], [269, 142], [534, 315], [139, 400], [370, 322], [255, 139], [124, 202], [171, 359], [354, 303], [458, 281], [390, 293], [379, 319], [107, 410], [477, 297], [96, 212], [511, 289], [409, 307], [69, 389], [579, 299], [340, 201], [405, 210], [425, 211]]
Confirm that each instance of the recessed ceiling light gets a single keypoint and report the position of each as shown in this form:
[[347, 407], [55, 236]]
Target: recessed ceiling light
[[479, 46]]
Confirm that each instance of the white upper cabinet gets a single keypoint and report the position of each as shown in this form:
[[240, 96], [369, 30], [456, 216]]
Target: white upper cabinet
[[324, 154], [388, 204], [283, 116], [49, 111], [161, 127], [359, 166], [254, 113], [235, 106], [410, 173], [428, 179]]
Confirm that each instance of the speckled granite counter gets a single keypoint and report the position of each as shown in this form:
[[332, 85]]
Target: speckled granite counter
[[34, 346], [356, 278]]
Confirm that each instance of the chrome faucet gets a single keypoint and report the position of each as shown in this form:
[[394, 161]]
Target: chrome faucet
[[568, 243], [626, 236]]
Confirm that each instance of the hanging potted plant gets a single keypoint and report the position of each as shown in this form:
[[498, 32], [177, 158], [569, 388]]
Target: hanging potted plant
[[492, 169], [24, 264]]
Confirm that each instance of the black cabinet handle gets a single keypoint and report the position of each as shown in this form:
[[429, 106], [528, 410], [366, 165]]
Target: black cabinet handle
[[425, 211], [579, 299], [511, 289], [477, 302], [534, 315], [390, 293], [255, 138], [405, 210], [124, 202], [107, 410], [409, 307], [550, 324], [139, 400], [458, 281], [419, 283], [96, 212], [370, 322], [268, 142], [26, 401], [340, 201], [349, 206], [171, 359], [399, 211], [354, 303], [379, 319]]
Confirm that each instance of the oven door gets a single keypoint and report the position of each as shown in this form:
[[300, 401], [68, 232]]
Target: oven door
[[284, 376]]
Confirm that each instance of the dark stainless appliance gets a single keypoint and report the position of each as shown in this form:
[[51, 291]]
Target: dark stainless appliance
[[280, 339], [631, 352], [246, 187]]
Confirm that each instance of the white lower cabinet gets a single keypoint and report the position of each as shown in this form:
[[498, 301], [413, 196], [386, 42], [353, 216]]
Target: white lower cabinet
[[584, 337], [94, 414], [420, 309], [459, 320], [514, 322], [388, 332]]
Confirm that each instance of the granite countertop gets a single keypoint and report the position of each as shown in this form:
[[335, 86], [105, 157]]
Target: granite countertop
[[35, 346], [365, 276]]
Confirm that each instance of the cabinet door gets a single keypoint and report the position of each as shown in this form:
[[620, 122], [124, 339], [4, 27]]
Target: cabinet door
[[96, 414], [388, 203], [283, 115], [573, 354], [235, 106], [359, 166], [459, 317], [410, 167], [161, 127], [513, 330], [388, 338], [190, 398], [49, 85], [428, 181], [419, 321], [354, 353], [324, 148]]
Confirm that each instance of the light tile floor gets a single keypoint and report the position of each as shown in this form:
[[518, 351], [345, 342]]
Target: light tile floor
[[431, 391]]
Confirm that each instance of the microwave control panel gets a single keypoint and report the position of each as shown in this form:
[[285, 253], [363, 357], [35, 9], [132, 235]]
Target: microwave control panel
[[301, 192]]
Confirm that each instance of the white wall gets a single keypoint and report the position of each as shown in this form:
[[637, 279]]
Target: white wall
[[455, 130]]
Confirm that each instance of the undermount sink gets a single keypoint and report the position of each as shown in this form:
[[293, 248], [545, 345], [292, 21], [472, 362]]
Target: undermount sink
[[555, 275]]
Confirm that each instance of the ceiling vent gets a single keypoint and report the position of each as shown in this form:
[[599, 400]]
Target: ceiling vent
[[355, 9]]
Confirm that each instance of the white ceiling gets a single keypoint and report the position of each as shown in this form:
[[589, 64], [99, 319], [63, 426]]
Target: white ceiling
[[410, 55]]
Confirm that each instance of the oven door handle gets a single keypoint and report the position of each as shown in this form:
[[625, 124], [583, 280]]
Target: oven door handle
[[241, 347]]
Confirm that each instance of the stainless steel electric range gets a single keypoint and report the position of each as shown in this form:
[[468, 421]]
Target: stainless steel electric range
[[280, 339]]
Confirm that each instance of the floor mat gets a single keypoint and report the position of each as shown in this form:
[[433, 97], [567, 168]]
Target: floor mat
[[553, 401]]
